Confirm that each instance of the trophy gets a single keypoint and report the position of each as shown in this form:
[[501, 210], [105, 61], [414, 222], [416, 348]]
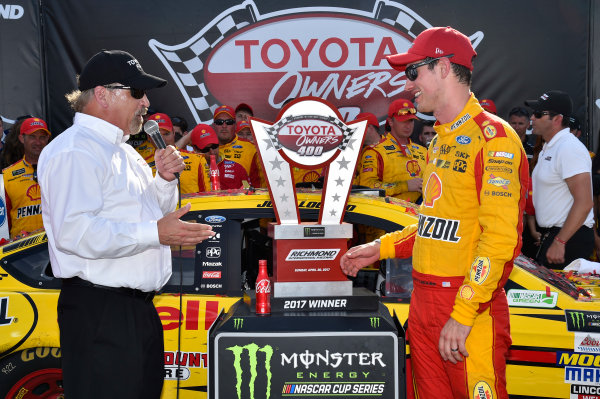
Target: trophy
[[309, 134]]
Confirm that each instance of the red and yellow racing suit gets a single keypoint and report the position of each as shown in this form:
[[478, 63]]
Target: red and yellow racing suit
[[195, 176], [146, 150], [390, 165], [23, 198], [244, 153], [468, 234]]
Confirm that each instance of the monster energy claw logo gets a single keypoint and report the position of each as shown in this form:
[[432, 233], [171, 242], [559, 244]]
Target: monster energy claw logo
[[253, 350], [374, 322], [578, 319], [238, 323]]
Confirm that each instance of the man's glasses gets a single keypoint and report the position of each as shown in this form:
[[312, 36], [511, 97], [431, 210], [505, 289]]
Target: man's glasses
[[207, 149], [411, 70], [406, 111], [220, 122], [540, 114], [135, 93]]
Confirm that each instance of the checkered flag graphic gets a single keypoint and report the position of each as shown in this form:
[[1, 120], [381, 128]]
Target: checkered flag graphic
[[346, 131], [186, 61]]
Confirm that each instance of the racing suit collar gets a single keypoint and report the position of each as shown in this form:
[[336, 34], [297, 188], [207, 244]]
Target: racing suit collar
[[471, 109], [102, 128]]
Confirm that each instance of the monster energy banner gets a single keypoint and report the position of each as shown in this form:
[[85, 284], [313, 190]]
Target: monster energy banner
[[309, 355], [302, 365], [583, 321]]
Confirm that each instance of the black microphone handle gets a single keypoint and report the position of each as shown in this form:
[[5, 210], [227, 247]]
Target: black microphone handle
[[159, 142]]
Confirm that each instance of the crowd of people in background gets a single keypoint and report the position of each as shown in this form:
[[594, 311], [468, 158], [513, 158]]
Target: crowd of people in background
[[393, 158]]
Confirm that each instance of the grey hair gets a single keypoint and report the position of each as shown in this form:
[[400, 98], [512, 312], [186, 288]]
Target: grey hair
[[79, 99]]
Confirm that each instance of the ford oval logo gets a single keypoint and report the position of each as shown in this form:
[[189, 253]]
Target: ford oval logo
[[463, 140], [2, 212], [215, 219]]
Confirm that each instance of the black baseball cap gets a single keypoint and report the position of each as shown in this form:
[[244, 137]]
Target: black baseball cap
[[554, 101], [116, 66]]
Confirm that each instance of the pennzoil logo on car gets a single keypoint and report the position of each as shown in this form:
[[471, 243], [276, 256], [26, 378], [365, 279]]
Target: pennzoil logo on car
[[215, 219]]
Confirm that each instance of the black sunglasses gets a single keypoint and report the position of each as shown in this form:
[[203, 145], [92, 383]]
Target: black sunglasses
[[135, 93], [411, 70], [540, 114], [219, 122], [207, 149]]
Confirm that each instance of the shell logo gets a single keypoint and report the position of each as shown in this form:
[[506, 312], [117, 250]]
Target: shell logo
[[413, 168], [466, 292], [433, 190], [311, 177], [33, 192]]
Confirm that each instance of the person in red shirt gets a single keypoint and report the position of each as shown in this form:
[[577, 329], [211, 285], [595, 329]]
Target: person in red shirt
[[232, 175]]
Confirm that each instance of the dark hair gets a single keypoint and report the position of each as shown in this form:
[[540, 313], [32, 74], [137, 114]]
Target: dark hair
[[180, 122], [463, 73], [519, 111], [13, 148]]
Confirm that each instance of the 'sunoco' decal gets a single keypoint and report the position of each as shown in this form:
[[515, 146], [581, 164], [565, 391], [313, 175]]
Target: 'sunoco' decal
[[334, 53], [215, 219], [463, 140]]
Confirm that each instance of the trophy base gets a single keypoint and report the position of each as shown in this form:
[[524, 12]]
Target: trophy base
[[312, 289], [361, 300]]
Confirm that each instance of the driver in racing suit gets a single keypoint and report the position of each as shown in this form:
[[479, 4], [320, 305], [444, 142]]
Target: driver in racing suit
[[468, 233]]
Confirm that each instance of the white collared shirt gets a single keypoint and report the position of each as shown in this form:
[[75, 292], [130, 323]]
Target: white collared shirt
[[562, 157], [100, 206]]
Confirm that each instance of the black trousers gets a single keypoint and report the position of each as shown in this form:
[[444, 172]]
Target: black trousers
[[580, 245], [111, 343]]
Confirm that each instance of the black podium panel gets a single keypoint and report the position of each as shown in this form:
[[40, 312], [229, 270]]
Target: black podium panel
[[315, 354]]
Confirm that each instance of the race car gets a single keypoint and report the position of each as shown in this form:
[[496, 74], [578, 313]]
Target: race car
[[555, 318]]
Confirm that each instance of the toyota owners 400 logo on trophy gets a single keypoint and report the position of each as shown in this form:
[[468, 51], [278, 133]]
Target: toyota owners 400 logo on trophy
[[309, 134]]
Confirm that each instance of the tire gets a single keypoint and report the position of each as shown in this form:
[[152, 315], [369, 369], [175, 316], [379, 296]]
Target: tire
[[32, 373]]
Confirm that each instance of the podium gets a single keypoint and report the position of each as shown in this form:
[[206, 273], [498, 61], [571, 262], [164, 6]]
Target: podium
[[320, 354]]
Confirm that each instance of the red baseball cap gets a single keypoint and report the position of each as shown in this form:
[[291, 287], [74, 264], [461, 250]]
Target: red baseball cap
[[244, 106], [434, 43], [371, 118], [241, 125], [163, 120], [488, 105], [403, 110], [31, 125], [224, 109], [203, 135]]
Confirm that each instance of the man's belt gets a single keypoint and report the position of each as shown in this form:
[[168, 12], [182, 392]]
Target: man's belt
[[131, 292]]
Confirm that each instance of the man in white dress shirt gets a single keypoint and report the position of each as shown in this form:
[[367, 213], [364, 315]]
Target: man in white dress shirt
[[110, 225], [562, 184]]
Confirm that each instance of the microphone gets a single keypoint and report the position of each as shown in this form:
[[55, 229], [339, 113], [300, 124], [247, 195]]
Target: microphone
[[152, 130]]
